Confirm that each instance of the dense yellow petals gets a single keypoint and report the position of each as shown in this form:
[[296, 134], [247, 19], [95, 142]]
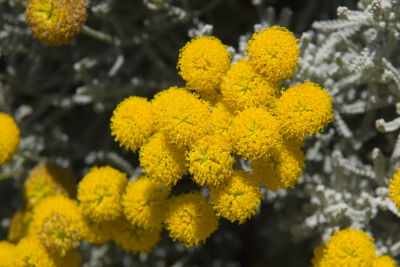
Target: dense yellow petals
[[274, 53], [99, 193], [31, 252], [96, 233], [394, 187], [304, 109], [7, 254], [221, 119], [202, 63], [9, 138], [384, 261], [19, 226], [190, 219]]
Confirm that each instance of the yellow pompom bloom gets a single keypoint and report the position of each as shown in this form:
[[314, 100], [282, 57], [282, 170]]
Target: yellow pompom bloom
[[9, 138], [31, 252], [7, 254], [46, 180], [304, 109], [238, 199], [55, 22], [349, 247], [144, 203], [135, 239], [221, 119], [394, 187], [182, 116], [213, 97], [96, 233], [99, 193], [19, 226], [274, 53], [243, 87], [58, 222], [190, 219], [164, 162], [255, 133], [318, 255], [384, 261], [202, 63], [282, 169], [132, 122], [210, 161]]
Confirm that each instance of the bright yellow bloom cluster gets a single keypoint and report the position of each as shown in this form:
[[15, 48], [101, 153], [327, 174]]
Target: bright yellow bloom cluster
[[55, 22], [394, 188], [9, 138]]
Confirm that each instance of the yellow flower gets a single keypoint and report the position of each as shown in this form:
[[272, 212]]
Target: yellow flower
[[210, 161], [274, 53], [190, 219], [164, 163], [132, 122], [384, 261], [7, 254], [55, 22], [238, 199], [58, 222], [243, 88], [304, 109], [144, 203], [255, 133], [9, 138], [31, 252], [318, 255], [221, 119], [72, 259], [46, 180], [19, 225], [394, 187], [282, 169], [213, 97], [135, 239], [99, 193], [182, 116], [202, 63], [96, 233]]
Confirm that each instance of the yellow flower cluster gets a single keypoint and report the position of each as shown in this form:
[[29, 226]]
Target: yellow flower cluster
[[349, 247], [9, 138]]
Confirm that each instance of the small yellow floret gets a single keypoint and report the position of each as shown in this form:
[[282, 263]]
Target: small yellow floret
[[7, 254], [255, 133], [274, 53], [164, 162], [190, 220], [144, 203], [242, 88], [304, 109], [46, 180], [99, 193], [238, 199], [384, 261], [19, 225], [394, 187], [55, 22], [31, 252], [9, 138], [132, 122], [202, 63]]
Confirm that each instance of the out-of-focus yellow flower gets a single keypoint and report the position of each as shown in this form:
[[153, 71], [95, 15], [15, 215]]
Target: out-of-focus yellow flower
[[144, 203], [72, 259], [394, 187], [99, 193], [274, 53], [9, 138], [255, 133], [31, 252], [55, 22], [202, 63], [384, 261], [164, 162], [282, 169], [238, 198], [242, 88], [46, 180], [190, 219], [96, 233], [132, 122], [316, 261], [304, 109], [19, 225], [7, 254]]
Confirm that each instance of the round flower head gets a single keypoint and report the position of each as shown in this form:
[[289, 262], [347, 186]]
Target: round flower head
[[46, 180], [255, 133], [144, 203], [132, 122], [182, 116], [349, 247], [135, 239], [210, 161], [282, 169], [99, 194], [31, 252], [96, 233], [274, 53], [58, 222], [304, 109], [9, 138], [55, 22], [7, 254], [242, 88], [238, 199], [19, 225], [394, 187], [221, 119], [202, 63], [190, 219], [384, 261], [164, 162]]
